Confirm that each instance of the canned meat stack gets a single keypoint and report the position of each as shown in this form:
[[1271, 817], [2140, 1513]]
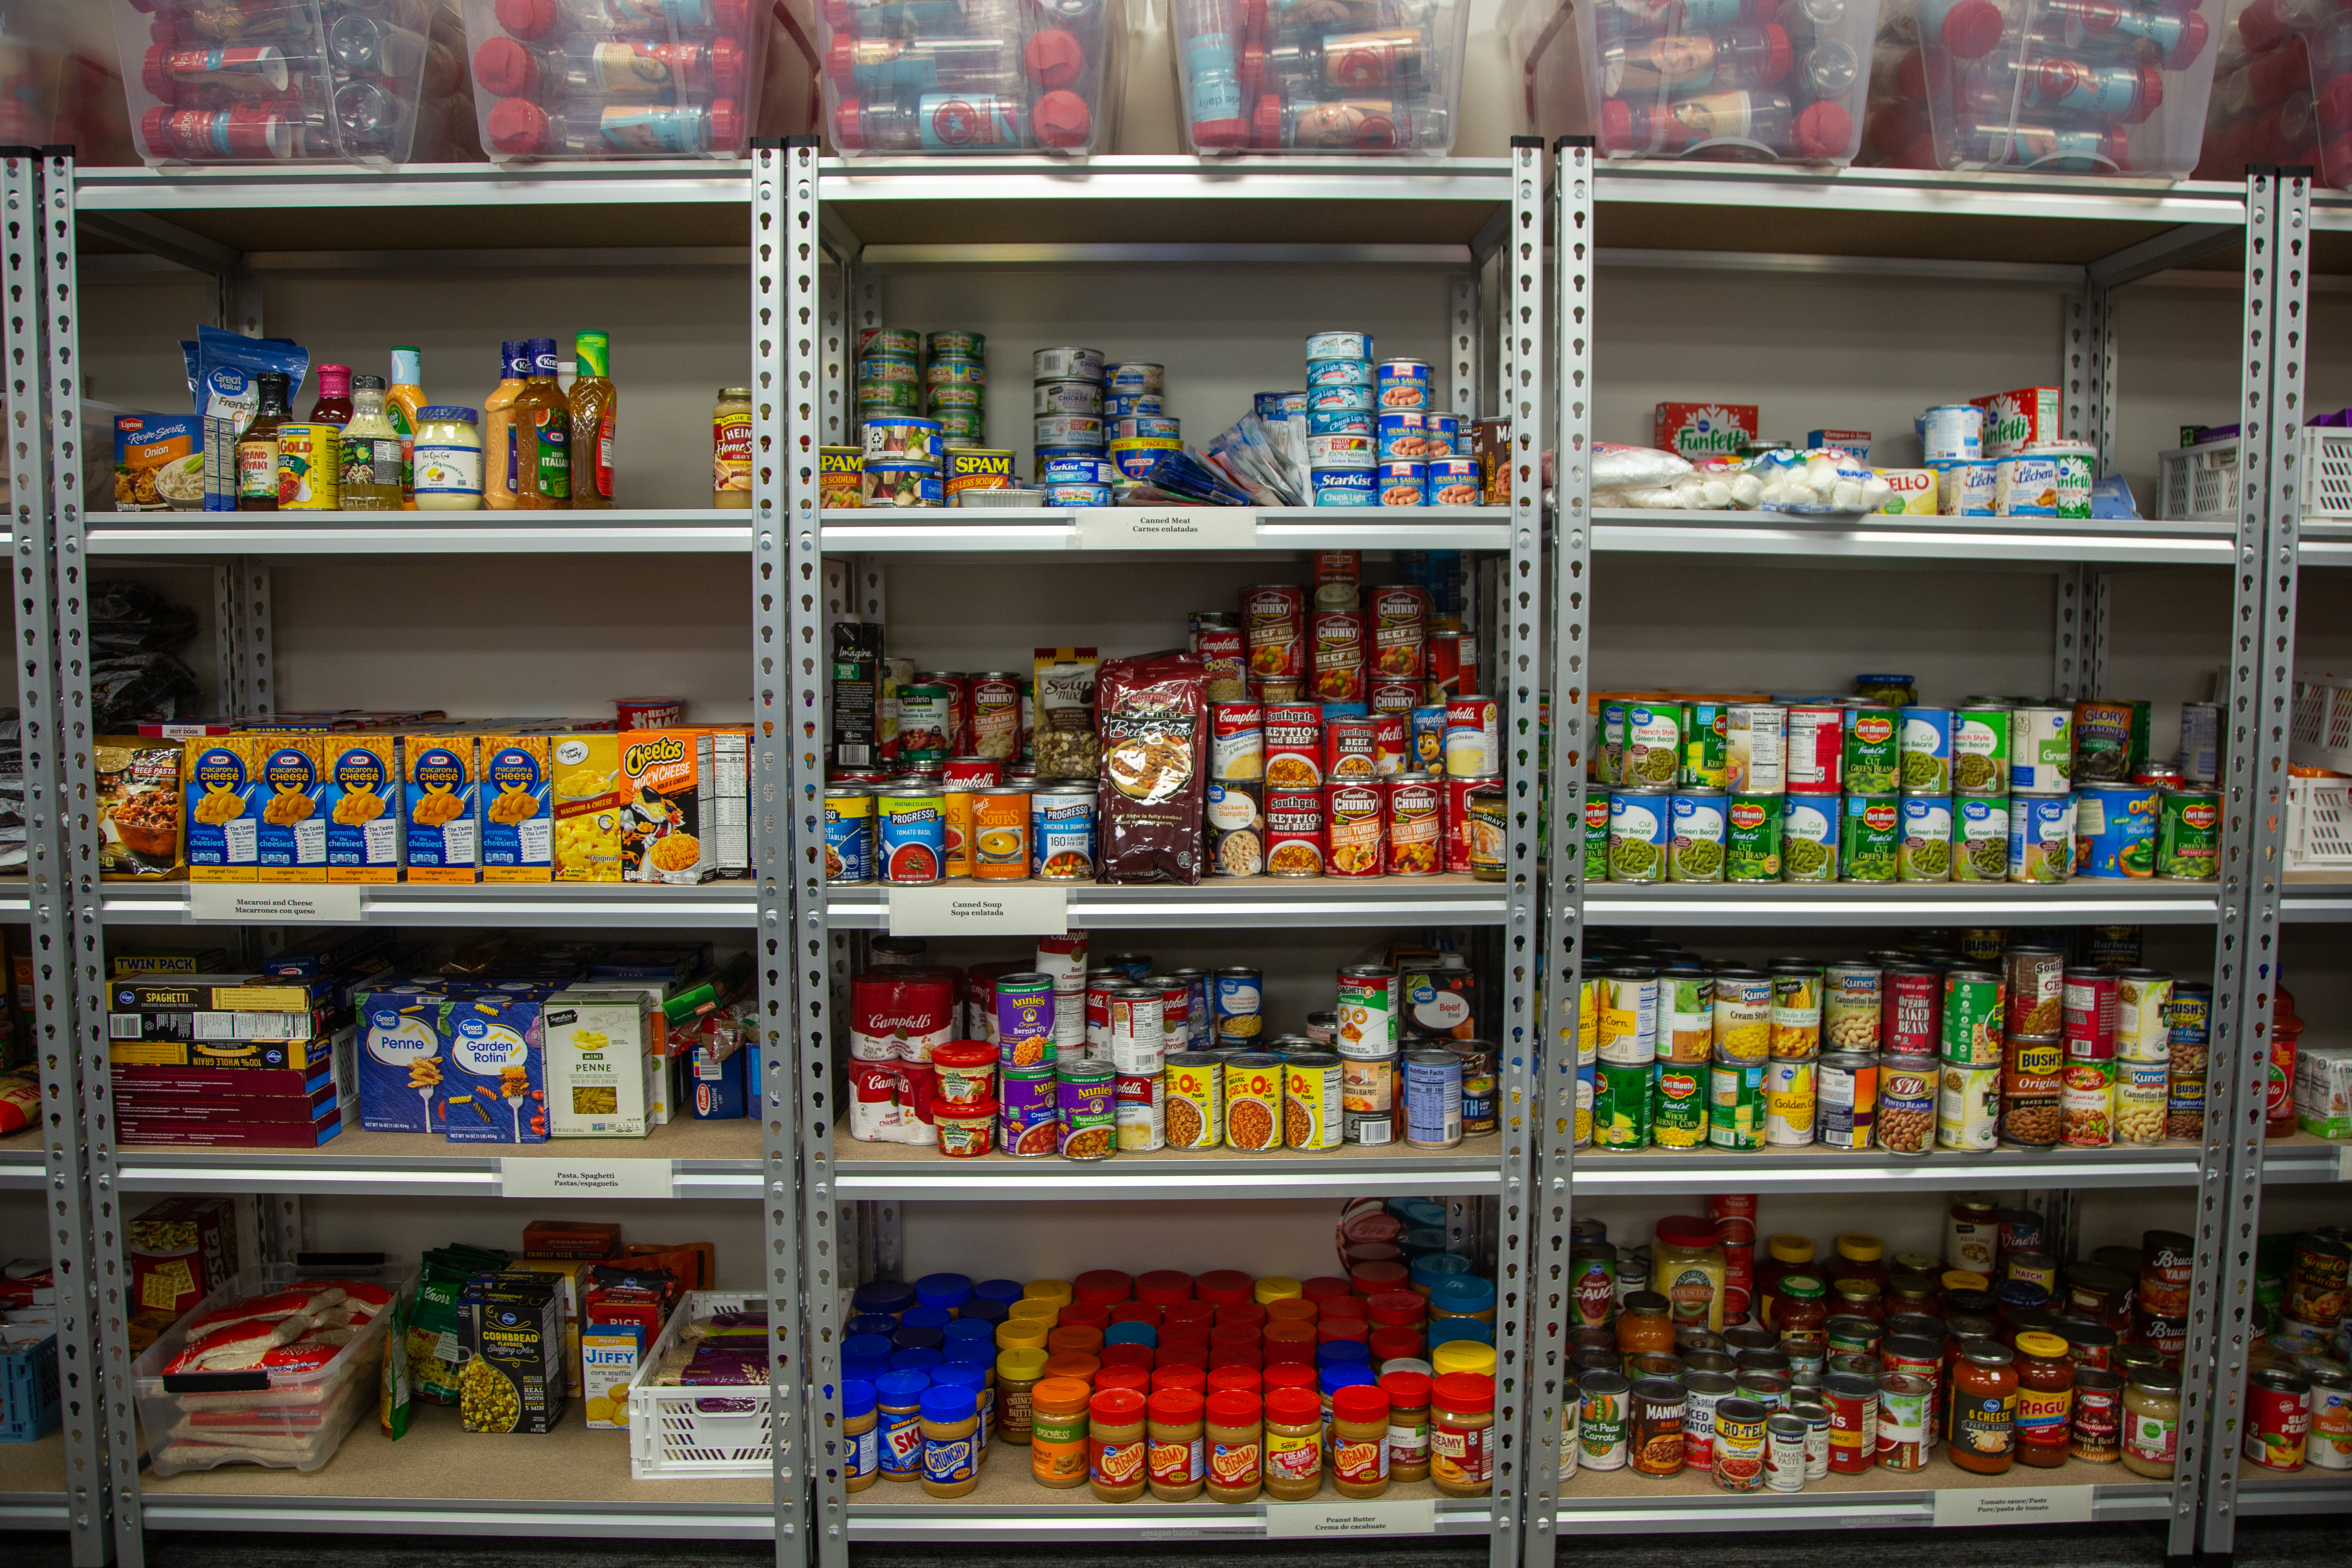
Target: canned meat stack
[[980, 78], [1337, 79], [1342, 422], [576, 78], [902, 461], [955, 387], [1136, 418], [1073, 461], [1786, 85], [1060, 1041]]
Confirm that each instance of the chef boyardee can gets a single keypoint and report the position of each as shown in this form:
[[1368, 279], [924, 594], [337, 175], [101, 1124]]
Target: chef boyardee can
[[1621, 1105], [1809, 838], [1751, 838], [1735, 1107]]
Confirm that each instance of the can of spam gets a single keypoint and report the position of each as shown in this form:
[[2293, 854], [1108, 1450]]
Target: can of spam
[[977, 468], [838, 470]]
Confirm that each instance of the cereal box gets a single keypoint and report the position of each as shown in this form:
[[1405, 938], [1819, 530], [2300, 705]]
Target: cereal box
[[139, 808], [1915, 492], [494, 1087], [293, 833], [586, 802], [668, 817], [518, 816], [400, 1058], [222, 801], [360, 802], [438, 828], [596, 1047], [1704, 429], [2016, 420]]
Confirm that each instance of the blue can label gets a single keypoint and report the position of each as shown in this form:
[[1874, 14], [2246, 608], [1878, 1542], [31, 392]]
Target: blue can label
[[1403, 484], [1404, 437], [1446, 435], [902, 1444], [1346, 487], [1078, 495], [1338, 373], [1061, 838], [1324, 399], [1239, 999], [1809, 838], [1427, 754], [1432, 1100], [1340, 422], [914, 837], [1128, 406], [849, 840], [2114, 831], [1453, 481]]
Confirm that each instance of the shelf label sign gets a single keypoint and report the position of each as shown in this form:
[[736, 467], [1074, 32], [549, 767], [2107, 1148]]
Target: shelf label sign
[[243, 903], [974, 909], [573, 1178], [1152, 527], [1298, 1520], [2049, 1505]]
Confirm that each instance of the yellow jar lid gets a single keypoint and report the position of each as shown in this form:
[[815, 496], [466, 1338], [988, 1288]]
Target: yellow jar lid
[[1861, 1248], [1048, 1289], [1278, 1287], [1962, 1279], [1462, 1355], [1034, 1309], [1025, 1364], [2043, 1347], [1023, 1335], [1791, 1248]]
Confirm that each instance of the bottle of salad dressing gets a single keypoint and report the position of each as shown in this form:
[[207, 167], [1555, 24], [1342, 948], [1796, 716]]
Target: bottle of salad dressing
[[497, 427]]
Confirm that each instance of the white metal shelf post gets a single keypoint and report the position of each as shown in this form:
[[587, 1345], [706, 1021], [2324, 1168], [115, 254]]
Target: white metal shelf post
[[1560, 964], [789, 616], [2221, 1313], [81, 1241]]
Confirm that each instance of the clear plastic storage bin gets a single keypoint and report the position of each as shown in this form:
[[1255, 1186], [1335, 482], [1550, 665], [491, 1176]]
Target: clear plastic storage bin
[[282, 1417], [617, 78], [291, 82], [1747, 79], [1319, 76], [923, 78], [2092, 87], [2282, 92]]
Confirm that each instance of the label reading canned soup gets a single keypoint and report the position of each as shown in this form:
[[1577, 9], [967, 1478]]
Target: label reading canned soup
[[1453, 481]]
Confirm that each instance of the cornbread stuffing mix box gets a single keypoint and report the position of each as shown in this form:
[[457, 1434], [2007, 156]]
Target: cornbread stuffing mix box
[[597, 1042]]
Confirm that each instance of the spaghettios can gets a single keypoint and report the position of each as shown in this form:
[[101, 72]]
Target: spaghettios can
[[1253, 1101], [1809, 838], [1790, 1100], [1195, 1100], [1622, 1105], [1973, 1030], [1734, 1114], [849, 834], [1740, 1426], [1087, 1093], [1432, 1088]]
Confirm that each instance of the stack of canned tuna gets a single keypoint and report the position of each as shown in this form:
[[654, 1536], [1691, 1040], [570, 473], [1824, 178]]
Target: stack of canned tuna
[[955, 387], [1134, 411], [1067, 404], [1371, 437]]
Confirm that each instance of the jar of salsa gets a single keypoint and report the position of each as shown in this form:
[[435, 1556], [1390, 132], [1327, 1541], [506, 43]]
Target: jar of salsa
[[1802, 1322], [1859, 1256], [1646, 1323], [1784, 1255], [1983, 1428], [1855, 1298], [2045, 1399]]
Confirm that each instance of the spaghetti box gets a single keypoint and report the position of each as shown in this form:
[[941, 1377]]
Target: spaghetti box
[[1704, 429], [1854, 443], [494, 1071], [188, 961], [719, 1081], [2016, 420], [1913, 491]]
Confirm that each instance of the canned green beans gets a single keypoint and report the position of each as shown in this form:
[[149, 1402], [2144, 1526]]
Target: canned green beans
[[1867, 837], [1980, 839], [2189, 835], [1809, 838], [1751, 838], [1925, 746], [1924, 851], [1874, 763], [1696, 853], [1641, 829], [1980, 749]]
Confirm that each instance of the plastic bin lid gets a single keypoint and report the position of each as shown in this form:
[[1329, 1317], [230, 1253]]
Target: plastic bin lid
[[1054, 57], [1063, 120]]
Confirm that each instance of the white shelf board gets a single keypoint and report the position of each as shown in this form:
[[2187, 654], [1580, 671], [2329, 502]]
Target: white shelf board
[[631, 532], [2083, 902], [1656, 1173], [864, 1170], [612, 904], [1224, 901], [1877, 539], [1047, 531]]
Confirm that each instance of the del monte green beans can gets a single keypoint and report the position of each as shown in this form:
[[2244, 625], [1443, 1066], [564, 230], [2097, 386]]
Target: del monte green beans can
[[1751, 838], [2187, 834], [1872, 756], [1980, 840], [1695, 855], [1980, 749], [1641, 825], [1653, 744], [1867, 837], [1611, 758], [1926, 748], [1925, 851], [1596, 834], [1704, 726], [1809, 838]]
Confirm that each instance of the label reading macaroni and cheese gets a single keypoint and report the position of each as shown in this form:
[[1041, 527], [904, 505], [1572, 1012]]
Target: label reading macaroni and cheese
[[518, 819], [359, 802]]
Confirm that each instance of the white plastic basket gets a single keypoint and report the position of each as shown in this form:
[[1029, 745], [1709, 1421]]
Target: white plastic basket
[[2198, 484], [2319, 824], [2319, 731], [670, 1439]]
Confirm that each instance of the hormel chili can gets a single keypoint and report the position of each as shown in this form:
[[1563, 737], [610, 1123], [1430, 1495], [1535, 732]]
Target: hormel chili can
[[986, 771], [1444, 666], [1294, 746], [1273, 624], [1816, 750], [1416, 827], [1400, 632], [1339, 656], [1355, 827], [2087, 1017], [1391, 738], [1347, 749], [1911, 1011], [899, 1014], [1457, 819], [1338, 574], [1294, 832]]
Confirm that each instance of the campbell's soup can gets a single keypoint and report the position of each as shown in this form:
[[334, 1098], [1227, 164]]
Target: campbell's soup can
[[1457, 827], [1355, 819], [901, 1012], [1274, 622], [1395, 696], [1224, 655], [1236, 742], [1339, 656], [1392, 743], [1416, 825], [1472, 736], [1349, 748]]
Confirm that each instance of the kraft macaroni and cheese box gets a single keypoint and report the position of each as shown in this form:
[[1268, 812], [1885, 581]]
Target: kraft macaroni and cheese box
[[293, 833], [224, 809], [401, 1067], [494, 1080], [360, 801], [1915, 492], [596, 1044], [518, 823], [439, 819]]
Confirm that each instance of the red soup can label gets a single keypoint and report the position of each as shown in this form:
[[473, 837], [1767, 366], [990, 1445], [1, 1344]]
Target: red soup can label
[[1356, 829], [1294, 746], [899, 1014], [1391, 738], [997, 717], [1339, 656], [1294, 832], [1350, 749], [1399, 633], [1416, 825], [1457, 820], [1274, 624], [1911, 1013]]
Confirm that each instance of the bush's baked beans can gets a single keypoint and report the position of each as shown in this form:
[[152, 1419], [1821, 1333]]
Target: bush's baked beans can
[[1472, 736], [1355, 827], [1967, 1109], [1311, 1115], [1847, 1094], [1415, 824], [1193, 1100], [1139, 1112], [2188, 1025], [1790, 1096], [2031, 1084], [1085, 1094], [1253, 1101], [1432, 1091], [1274, 622]]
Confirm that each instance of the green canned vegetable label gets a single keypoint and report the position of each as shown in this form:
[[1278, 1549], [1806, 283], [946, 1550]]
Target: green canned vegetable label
[[1654, 744], [2189, 835], [1596, 836], [1680, 1117], [1622, 1109], [1868, 837], [1704, 760], [1980, 752], [1751, 838], [1735, 1113], [1973, 1025], [1980, 840], [1872, 760], [1610, 757], [1809, 838]]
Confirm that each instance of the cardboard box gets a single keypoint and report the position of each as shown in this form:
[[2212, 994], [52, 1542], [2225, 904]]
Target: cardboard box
[[1856, 443], [586, 802], [671, 820], [222, 801], [401, 1064], [1696, 430], [2323, 1090], [186, 961], [609, 1356], [518, 818], [566, 1273], [1915, 492], [597, 1043], [439, 820], [361, 803], [2016, 420], [494, 1084], [141, 807], [293, 830]]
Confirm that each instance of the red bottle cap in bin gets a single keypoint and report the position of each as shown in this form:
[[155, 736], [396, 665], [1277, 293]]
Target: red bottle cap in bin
[[1911, 75], [1063, 120], [165, 27], [1054, 57], [848, 124], [727, 125], [2151, 93], [517, 125], [2260, 24], [1821, 129], [530, 20], [1970, 29], [731, 70], [504, 69], [1779, 55], [2193, 34], [1267, 123], [155, 79]]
